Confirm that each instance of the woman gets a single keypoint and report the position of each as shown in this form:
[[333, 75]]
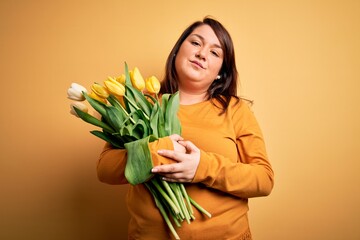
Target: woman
[[220, 154]]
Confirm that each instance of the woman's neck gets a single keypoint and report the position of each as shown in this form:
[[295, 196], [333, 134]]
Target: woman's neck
[[187, 98]]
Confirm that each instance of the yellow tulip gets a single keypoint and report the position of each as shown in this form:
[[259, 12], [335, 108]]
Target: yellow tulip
[[79, 106], [114, 87], [121, 79], [99, 90], [152, 85], [137, 80], [96, 97]]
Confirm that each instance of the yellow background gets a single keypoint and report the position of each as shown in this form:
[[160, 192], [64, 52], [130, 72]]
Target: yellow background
[[299, 60]]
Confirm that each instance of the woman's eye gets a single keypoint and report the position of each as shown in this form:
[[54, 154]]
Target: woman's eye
[[195, 43], [216, 54]]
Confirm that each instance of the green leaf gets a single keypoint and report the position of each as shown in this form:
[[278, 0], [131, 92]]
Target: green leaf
[[92, 120], [134, 99], [127, 75], [161, 124], [151, 97], [142, 127], [172, 123], [139, 161], [154, 117], [124, 137], [117, 143], [129, 97], [98, 106], [138, 130], [141, 116], [129, 100], [115, 117], [164, 101], [127, 130], [114, 101], [139, 99]]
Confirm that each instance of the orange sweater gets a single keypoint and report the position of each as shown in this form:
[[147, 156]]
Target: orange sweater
[[233, 167]]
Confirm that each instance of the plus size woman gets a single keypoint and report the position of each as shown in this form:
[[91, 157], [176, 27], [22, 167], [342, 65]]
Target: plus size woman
[[220, 155]]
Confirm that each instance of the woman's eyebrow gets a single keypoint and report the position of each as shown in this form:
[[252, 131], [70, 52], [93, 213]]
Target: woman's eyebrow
[[202, 39]]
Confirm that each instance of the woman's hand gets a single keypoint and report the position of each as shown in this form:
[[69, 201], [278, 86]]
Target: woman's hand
[[186, 161], [175, 138]]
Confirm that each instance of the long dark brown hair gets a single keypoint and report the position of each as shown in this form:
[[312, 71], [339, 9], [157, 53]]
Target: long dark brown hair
[[222, 89]]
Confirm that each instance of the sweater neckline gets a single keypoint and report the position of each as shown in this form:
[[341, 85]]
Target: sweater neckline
[[194, 104]]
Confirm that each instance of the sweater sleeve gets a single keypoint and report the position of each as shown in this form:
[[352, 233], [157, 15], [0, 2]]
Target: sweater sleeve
[[112, 162], [251, 175]]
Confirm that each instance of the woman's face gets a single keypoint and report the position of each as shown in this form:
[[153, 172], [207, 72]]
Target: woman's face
[[199, 60]]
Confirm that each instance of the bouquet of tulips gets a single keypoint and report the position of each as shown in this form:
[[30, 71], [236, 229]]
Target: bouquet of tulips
[[130, 119]]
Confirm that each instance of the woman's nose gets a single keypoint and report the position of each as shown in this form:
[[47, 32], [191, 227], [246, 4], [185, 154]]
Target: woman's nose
[[201, 54]]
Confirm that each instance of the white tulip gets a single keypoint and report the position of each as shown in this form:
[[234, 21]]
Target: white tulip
[[75, 92]]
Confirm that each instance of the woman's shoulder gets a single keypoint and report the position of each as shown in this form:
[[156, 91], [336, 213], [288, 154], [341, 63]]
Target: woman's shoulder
[[240, 102], [240, 108], [231, 103]]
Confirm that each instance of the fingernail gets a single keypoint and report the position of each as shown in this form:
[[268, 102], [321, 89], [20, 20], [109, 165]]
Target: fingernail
[[154, 170]]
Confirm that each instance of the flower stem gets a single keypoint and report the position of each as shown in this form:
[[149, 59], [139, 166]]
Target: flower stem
[[167, 220], [136, 107], [199, 207], [163, 213], [166, 197], [127, 114], [186, 196], [172, 196], [182, 203]]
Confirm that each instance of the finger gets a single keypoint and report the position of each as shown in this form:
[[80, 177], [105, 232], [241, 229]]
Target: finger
[[175, 177], [169, 179], [189, 146], [170, 154], [165, 169], [176, 137]]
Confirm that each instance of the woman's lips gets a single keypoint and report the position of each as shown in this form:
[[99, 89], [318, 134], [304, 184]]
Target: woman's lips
[[198, 64]]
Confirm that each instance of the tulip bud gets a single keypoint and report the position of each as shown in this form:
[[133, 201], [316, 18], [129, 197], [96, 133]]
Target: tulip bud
[[152, 85], [75, 92], [78, 105], [99, 90], [137, 80], [96, 97], [114, 87], [121, 79]]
